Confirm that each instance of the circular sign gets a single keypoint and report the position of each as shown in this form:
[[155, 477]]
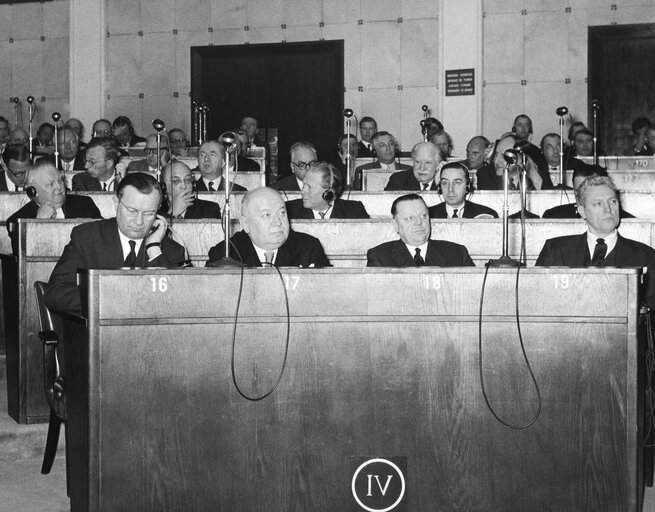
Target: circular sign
[[381, 487]]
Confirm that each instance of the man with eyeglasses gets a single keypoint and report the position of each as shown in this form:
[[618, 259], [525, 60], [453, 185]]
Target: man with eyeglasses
[[303, 155], [48, 200], [149, 163], [181, 194], [385, 146], [102, 128], [135, 238], [101, 157], [179, 142], [15, 164], [70, 156], [211, 156]]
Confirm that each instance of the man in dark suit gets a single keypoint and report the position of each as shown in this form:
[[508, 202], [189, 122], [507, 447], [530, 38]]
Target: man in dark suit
[[321, 191], [266, 238], [426, 158], [367, 128], [385, 147], [211, 156], [244, 164], [101, 157], [46, 189], [149, 163], [124, 135], [347, 149], [550, 148], [303, 155], [454, 185], [71, 158], [415, 248], [601, 245], [15, 164], [136, 237], [182, 202]]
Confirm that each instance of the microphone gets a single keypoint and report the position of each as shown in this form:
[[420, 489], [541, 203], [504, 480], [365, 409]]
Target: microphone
[[562, 111], [595, 104], [158, 124], [511, 156], [16, 100], [424, 108], [520, 146], [348, 112], [56, 117], [30, 99], [229, 141]]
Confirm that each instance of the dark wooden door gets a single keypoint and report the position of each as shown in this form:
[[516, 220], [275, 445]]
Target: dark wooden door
[[296, 88], [621, 74]]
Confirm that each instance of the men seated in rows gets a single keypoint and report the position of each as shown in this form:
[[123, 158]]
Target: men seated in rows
[[15, 164], [19, 136], [347, 145], [583, 142], [101, 157], [454, 186], [367, 128], [250, 125], [444, 142], [179, 142], [71, 158], [570, 211], [211, 158], [321, 197], [267, 239], [475, 150], [48, 200], [102, 128], [136, 237], [244, 164], [550, 148], [411, 221], [490, 176], [123, 132], [303, 155], [149, 163], [182, 201], [601, 245], [425, 158]]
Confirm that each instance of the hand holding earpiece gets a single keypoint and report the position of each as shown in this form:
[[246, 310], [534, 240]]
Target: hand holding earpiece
[[157, 231]]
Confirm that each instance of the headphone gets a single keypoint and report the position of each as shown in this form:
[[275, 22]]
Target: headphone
[[31, 192], [463, 167], [329, 195]]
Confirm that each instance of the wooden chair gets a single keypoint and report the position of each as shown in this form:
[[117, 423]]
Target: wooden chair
[[53, 379]]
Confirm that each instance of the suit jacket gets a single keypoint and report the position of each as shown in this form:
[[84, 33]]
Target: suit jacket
[[84, 182], [3, 182], [247, 165], [570, 211], [572, 251], [201, 187], [139, 166], [363, 151], [97, 245], [405, 180], [78, 164], [440, 254], [75, 207], [201, 209], [341, 209], [471, 211], [299, 250], [289, 183]]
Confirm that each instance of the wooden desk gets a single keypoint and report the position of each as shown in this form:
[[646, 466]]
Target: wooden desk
[[381, 364]]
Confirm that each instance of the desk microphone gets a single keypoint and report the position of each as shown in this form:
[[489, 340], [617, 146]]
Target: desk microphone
[[348, 112]]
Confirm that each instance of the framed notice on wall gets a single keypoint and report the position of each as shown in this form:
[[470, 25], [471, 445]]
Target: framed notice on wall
[[460, 82]]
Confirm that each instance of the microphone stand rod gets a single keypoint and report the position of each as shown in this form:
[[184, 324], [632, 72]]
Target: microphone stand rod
[[595, 114], [505, 260], [561, 152], [348, 157]]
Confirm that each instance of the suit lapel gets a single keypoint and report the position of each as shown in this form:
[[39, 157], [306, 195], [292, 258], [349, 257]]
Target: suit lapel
[[401, 255], [287, 254], [577, 251], [112, 244]]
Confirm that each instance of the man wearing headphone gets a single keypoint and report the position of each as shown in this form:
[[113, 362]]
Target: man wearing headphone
[[321, 189], [426, 158], [454, 186], [48, 200], [15, 164], [101, 157]]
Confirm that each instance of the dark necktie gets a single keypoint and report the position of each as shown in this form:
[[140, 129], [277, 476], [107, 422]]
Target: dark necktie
[[418, 259], [424, 186], [322, 214], [130, 261], [104, 187], [455, 213], [211, 186], [599, 252]]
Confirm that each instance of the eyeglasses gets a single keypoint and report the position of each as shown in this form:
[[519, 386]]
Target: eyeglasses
[[187, 181], [102, 133], [177, 141], [152, 151], [304, 165], [92, 162], [134, 213]]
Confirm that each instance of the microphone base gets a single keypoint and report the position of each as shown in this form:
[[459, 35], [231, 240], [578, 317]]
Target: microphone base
[[225, 262], [504, 262]]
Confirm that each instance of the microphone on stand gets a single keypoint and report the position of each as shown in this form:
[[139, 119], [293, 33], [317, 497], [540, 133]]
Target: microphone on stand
[[158, 126], [561, 112], [595, 107], [229, 141], [348, 113], [56, 117], [595, 104], [30, 116], [511, 155]]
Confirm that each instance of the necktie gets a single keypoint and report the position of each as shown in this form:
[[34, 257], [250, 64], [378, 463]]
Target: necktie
[[322, 214], [455, 213], [104, 187], [424, 186], [418, 259], [211, 186], [599, 252], [269, 257], [130, 261]]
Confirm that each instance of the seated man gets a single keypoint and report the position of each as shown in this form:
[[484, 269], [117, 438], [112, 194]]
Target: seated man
[[475, 152], [101, 157], [385, 146], [321, 191], [124, 135], [102, 128], [640, 146], [149, 163], [454, 185], [444, 142], [181, 197], [43, 143], [570, 211], [303, 155], [367, 128], [426, 158], [19, 136], [47, 191], [432, 127], [71, 158], [583, 141], [211, 155], [551, 147], [345, 143], [266, 237], [601, 245], [244, 164], [136, 237], [15, 164], [250, 125], [415, 248], [77, 125], [179, 142], [4, 132]]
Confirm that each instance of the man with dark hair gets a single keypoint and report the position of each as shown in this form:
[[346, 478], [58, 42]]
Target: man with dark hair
[[135, 238], [522, 130], [71, 158], [347, 142], [583, 141], [4, 131], [243, 164], [432, 127], [454, 184], [303, 155], [367, 128], [211, 156], [101, 158], [411, 221], [426, 157], [444, 142], [640, 145], [182, 201], [321, 197], [43, 143], [250, 125], [179, 142], [550, 149], [15, 164], [267, 239], [102, 128], [149, 163], [601, 245], [124, 135]]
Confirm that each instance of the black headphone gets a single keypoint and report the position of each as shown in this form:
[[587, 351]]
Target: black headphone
[[328, 195], [31, 192], [462, 166]]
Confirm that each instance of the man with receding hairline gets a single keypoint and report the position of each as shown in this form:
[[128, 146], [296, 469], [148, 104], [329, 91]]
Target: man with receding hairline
[[180, 191], [303, 155], [426, 157], [101, 157], [211, 157], [70, 156]]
